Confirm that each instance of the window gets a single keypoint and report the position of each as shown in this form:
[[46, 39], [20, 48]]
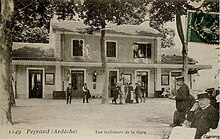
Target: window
[[77, 48], [111, 49], [142, 50]]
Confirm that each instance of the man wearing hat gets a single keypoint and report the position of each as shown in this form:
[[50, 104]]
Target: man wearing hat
[[183, 102], [69, 91], [203, 116]]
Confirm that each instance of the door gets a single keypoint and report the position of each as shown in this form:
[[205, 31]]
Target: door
[[112, 81], [142, 77], [77, 80], [35, 83]]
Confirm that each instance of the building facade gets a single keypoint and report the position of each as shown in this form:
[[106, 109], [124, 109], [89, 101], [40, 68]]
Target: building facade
[[133, 54]]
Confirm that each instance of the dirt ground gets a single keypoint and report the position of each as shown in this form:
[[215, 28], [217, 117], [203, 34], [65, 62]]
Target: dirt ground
[[92, 120]]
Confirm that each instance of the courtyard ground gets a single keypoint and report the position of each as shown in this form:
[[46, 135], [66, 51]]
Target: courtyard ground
[[47, 118]]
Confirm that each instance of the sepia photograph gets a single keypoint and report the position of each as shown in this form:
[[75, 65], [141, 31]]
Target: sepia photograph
[[109, 69]]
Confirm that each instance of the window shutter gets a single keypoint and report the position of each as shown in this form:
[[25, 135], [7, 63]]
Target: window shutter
[[149, 51]]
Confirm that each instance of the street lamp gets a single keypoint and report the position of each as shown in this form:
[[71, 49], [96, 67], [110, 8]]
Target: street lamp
[[94, 76]]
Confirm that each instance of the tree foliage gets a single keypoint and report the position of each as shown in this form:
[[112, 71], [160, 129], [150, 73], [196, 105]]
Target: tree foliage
[[32, 18], [114, 11], [163, 11], [168, 36]]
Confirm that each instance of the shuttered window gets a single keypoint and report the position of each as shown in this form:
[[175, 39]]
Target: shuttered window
[[111, 49]]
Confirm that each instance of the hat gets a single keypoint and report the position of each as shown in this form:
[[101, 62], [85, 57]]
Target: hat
[[180, 78], [203, 95]]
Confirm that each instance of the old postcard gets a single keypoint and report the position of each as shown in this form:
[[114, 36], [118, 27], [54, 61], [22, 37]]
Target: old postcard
[[110, 69]]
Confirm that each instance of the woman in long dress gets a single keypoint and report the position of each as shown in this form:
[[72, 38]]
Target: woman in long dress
[[129, 98]]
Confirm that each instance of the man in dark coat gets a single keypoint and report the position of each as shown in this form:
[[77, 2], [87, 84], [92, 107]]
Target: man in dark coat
[[137, 92], [116, 91], [183, 102], [69, 91], [143, 91], [203, 117]]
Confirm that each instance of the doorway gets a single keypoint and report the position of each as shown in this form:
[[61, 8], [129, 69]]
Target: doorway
[[142, 77], [112, 82], [35, 83], [77, 80]]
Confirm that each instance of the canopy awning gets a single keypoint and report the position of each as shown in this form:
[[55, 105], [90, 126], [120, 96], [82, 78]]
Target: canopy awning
[[55, 63], [110, 65]]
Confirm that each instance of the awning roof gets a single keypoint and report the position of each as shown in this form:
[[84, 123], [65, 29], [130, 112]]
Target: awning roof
[[80, 27], [110, 65]]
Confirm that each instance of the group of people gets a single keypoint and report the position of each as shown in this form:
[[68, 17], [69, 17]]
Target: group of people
[[69, 92], [201, 114], [131, 93]]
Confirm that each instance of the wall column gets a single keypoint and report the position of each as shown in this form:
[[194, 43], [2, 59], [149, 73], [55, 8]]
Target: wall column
[[57, 44], [58, 82], [158, 79], [158, 47]]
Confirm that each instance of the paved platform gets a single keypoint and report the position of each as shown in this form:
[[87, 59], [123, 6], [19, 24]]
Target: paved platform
[[143, 120]]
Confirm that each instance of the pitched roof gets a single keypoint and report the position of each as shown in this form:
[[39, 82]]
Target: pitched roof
[[32, 51], [175, 59], [79, 27]]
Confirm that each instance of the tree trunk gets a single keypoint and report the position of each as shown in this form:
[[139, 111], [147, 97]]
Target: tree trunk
[[104, 65], [12, 96], [184, 45], [5, 61]]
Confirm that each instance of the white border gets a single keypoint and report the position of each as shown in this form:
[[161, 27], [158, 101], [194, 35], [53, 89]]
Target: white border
[[43, 80], [72, 47], [115, 50]]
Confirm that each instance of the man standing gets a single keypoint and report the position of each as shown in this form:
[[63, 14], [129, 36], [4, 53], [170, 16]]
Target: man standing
[[137, 92], [116, 91], [182, 102], [87, 94], [69, 91], [203, 116], [143, 91]]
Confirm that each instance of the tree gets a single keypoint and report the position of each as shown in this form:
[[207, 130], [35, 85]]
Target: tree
[[168, 35], [32, 18], [5, 60], [97, 13], [169, 10], [164, 11]]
